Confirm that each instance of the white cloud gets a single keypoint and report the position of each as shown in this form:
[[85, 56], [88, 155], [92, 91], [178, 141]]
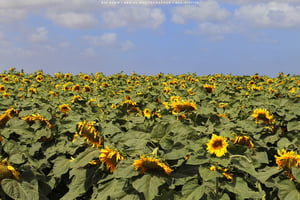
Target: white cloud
[[270, 15], [72, 19], [109, 40], [41, 35], [213, 31], [134, 17], [258, 1], [205, 11], [11, 4], [11, 15]]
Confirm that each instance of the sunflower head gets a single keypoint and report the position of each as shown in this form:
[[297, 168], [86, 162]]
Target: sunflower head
[[89, 133], [262, 114], [64, 108], [67, 75], [147, 113], [39, 78], [8, 171], [217, 145], [181, 105], [87, 88], [110, 157], [209, 88], [76, 88], [151, 163], [2, 88], [243, 140], [287, 160], [167, 90], [86, 77]]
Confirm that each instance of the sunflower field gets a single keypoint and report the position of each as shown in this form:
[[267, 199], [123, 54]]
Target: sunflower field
[[164, 136]]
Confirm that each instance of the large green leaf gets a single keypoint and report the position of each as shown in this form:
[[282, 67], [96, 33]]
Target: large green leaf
[[207, 174], [61, 166], [240, 188], [125, 170], [14, 189], [287, 190], [85, 157], [110, 190], [293, 126], [148, 185], [192, 190]]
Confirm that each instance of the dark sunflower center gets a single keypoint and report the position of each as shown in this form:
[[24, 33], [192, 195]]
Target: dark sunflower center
[[217, 144]]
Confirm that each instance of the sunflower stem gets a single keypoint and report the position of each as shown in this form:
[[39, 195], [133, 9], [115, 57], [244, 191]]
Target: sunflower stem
[[241, 156]]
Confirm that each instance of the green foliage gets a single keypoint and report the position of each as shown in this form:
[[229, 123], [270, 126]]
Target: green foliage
[[38, 138]]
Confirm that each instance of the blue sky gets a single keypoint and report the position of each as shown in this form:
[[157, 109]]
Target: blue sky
[[242, 37]]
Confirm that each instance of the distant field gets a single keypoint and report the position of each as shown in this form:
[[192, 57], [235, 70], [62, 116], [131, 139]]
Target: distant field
[[92, 136]]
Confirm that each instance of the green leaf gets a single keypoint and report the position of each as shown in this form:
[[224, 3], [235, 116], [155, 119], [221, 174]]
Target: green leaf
[[266, 173], [192, 190], [159, 130], [111, 190], [79, 184], [287, 190], [125, 170], [85, 157], [61, 166], [14, 189], [207, 174], [293, 126], [296, 173], [148, 185], [283, 143], [243, 163], [241, 189]]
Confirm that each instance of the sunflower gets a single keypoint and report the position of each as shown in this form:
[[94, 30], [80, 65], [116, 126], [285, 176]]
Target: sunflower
[[167, 90], [89, 133], [53, 94], [25, 80], [149, 162], [57, 75], [111, 158], [287, 160], [67, 75], [2, 88], [243, 140], [227, 175], [262, 114], [39, 78], [147, 113], [5, 94], [76, 88], [217, 145], [181, 105], [191, 92], [64, 108], [86, 77], [7, 115], [209, 88], [87, 89], [113, 106], [269, 81], [8, 171]]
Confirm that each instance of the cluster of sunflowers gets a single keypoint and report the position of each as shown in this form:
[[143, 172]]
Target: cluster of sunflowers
[[68, 101]]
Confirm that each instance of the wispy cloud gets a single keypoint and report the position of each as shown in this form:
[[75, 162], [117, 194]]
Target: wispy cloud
[[133, 17], [204, 11], [270, 15]]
